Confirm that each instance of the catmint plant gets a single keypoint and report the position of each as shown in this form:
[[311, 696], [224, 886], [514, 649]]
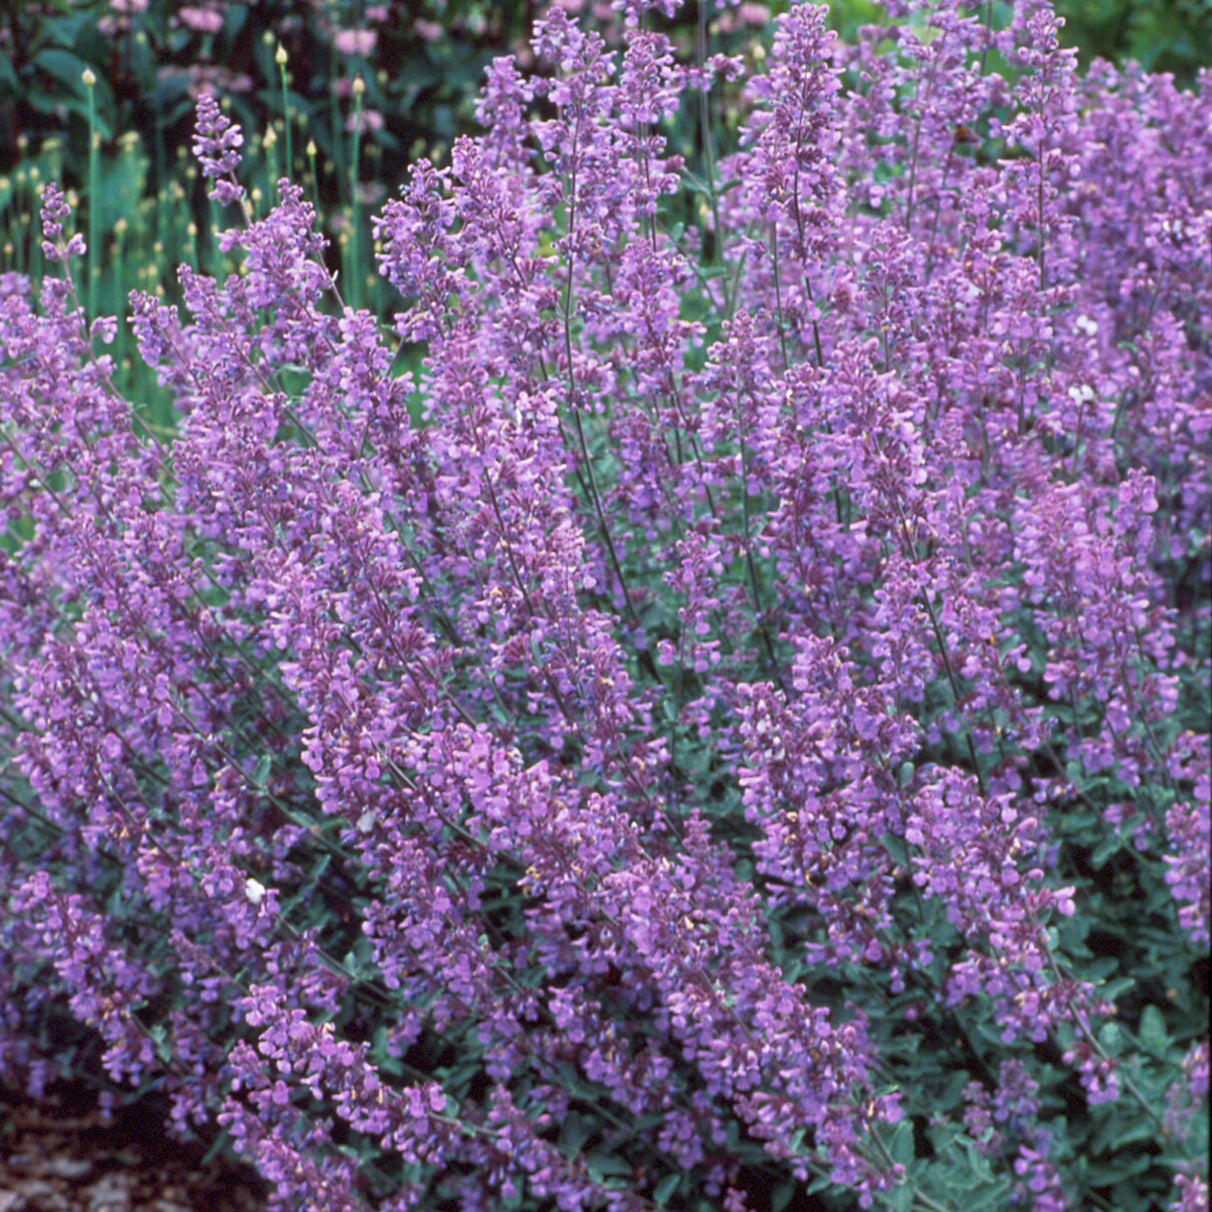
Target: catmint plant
[[727, 727]]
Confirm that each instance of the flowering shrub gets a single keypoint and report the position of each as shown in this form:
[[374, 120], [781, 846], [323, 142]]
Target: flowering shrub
[[730, 731]]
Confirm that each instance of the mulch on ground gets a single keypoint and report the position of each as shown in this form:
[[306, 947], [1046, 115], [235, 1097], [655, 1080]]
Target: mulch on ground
[[60, 1154]]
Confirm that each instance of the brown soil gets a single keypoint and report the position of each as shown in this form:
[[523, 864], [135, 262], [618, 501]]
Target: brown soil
[[61, 1155]]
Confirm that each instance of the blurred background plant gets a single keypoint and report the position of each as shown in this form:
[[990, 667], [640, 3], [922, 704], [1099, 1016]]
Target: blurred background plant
[[289, 70], [120, 144]]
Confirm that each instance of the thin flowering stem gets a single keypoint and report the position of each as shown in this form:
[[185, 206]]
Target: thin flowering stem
[[706, 133], [759, 610], [921, 95], [919, 1198], [957, 697], [574, 405], [93, 270], [587, 459], [798, 212], [781, 323], [1081, 1019]]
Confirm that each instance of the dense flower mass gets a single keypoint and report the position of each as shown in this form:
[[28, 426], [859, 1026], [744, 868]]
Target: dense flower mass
[[727, 725]]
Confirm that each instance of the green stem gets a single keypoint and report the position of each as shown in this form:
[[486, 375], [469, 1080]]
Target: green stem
[[1087, 1033], [94, 195], [955, 690], [315, 179], [708, 144], [778, 291], [280, 59], [121, 339], [353, 268]]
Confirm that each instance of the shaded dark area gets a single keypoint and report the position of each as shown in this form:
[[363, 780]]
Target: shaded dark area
[[60, 1154]]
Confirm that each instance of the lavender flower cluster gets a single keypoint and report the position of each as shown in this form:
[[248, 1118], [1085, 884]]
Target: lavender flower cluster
[[595, 769]]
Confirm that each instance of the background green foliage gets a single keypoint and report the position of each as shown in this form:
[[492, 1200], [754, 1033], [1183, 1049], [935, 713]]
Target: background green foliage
[[138, 195], [421, 80], [1162, 35]]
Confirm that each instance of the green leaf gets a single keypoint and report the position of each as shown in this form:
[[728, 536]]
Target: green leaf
[[1121, 1132], [1115, 989], [221, 1144], [67, 70], [902, 1148], [1107, 849], [63, 66], [666, 1187], [235, 17], [897, 848], [574, 1132], [1120, 1168], [1153, 1036], [604, 1165], [901, 1198], [260, 775], [122, 182]]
